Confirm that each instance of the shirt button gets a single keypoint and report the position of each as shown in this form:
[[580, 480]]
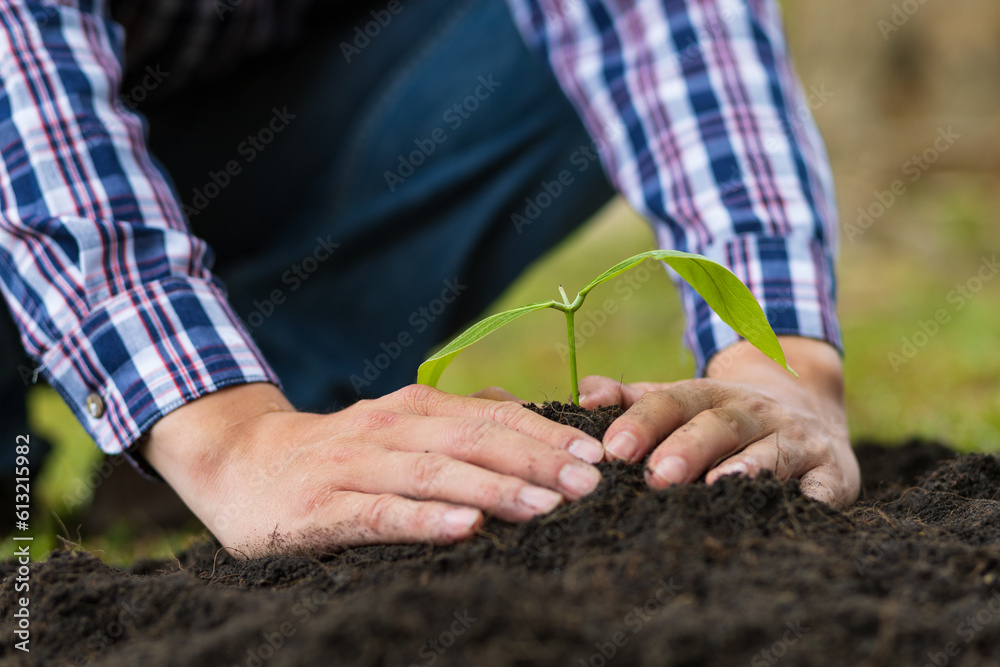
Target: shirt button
[[95, 406]]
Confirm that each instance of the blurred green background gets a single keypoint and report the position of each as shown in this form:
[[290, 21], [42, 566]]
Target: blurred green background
[[896, 80]]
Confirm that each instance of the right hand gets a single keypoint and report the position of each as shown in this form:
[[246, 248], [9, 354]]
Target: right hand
[[417, 465]]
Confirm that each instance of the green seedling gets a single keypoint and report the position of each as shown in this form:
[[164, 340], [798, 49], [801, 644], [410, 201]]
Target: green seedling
[[722, 290]]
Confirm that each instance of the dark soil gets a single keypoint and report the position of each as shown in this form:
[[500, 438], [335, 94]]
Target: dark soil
[[591, 422], [745, 572]]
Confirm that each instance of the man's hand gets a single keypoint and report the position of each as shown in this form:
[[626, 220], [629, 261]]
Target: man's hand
[[418, 465], [748, 415]]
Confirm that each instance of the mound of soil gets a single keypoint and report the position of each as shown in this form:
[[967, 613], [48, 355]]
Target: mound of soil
[[745, 572]]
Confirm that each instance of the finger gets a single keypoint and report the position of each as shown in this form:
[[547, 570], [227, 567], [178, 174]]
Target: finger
[[386, 518], [784, 461], [826, 485], [709, 437], [497, 394], [489, 446], [438, 477], [654, 416], [430, 402], [597, 391]]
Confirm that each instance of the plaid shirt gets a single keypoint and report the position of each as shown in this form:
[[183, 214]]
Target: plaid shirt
[[693, 105]]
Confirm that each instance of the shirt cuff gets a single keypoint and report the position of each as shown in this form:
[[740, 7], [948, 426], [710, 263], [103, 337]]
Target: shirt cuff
[[792, 279], [148, 351]]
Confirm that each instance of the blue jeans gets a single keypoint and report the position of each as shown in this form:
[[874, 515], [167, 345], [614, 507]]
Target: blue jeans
[[370, 193], [411, 159]]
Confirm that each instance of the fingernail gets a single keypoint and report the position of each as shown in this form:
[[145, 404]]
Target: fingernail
[[732, 469], [590, 451], [579, 479], [461, 519], [672, 469], [583, 398], [539, 500], [623, 446]]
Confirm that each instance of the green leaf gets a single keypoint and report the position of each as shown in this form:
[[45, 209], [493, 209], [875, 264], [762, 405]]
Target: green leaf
[[721, 289], [430, 371]]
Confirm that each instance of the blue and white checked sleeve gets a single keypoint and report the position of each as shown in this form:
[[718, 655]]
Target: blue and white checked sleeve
[[112, 294], [705, 130]]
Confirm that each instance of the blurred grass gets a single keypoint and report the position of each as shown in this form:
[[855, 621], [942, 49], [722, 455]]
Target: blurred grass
[[901, 273]]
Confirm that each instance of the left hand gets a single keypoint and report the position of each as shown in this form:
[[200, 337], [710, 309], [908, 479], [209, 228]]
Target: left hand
[[747, 415]]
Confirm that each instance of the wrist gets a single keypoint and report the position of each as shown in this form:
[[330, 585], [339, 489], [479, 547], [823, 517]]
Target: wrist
[[194, 447], [818, 364]]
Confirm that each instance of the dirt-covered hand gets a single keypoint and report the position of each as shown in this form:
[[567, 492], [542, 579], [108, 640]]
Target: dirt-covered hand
[[746, 416], [418, 465]]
